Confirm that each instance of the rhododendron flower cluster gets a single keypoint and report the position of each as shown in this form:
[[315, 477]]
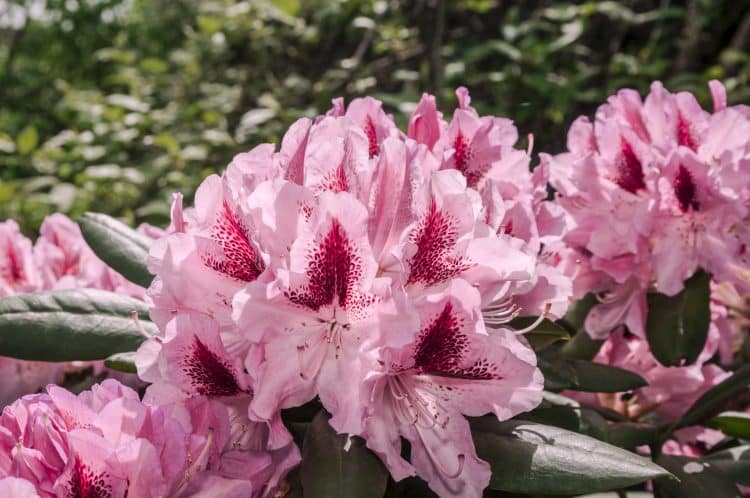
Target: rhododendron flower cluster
[[653, 190], [390, 276], [362, 266], [108, 443], [60, 259]]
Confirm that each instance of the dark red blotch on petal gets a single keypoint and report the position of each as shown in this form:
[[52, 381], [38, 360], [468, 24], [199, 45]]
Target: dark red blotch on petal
[[372, 137], [209, 374], [14, 272], [333, 269], [684, 189], [435, 237], [685, 133], [442, 346], [629, 170], [85, 483], [462, 158], [241, 261]]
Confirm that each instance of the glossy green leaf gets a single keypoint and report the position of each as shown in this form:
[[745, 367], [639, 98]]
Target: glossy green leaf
[[118, 245], [712, 400], [735, 424], [71, 324], [544, 334], [122, 362], [330, 470], [677, 326], [631, 434], [539, 459], [734, 462], [695, 479], [582, 375]]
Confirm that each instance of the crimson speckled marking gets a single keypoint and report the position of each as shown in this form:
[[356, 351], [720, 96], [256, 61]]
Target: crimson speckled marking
[[209, 374], [241, 261], [629, 170]]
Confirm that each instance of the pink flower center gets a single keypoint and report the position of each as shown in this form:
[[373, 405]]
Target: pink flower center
[[335, 181], [209, 374], [334, 268], [435, 237], [629, 170], [684, 190], [685, 133], [372, 137], [442, 347], [241, 261], [85, 483], [462, 158]]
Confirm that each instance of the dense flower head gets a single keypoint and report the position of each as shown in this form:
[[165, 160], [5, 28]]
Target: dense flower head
[[106, 442], [375, 270], [654, 190]]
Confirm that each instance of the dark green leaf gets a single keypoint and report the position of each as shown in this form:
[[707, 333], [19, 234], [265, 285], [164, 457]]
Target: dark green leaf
[[697, 479], [677, 326], [595, 377], [735, 424], [570, 373], [581, 346], [734, 462], [543, 335], [712, 400], [329, 471], [118, 245], [68, 325], [534, 458], [577, 312], [122, 362], [631, 434]]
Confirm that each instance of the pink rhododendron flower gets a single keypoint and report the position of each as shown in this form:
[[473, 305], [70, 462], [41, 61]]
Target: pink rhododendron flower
[[17, 488], [653, 191], [302, 273], [454, 367], [106, 442], [670, 390]]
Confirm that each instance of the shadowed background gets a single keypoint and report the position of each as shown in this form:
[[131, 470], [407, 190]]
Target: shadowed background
[[111, 105]]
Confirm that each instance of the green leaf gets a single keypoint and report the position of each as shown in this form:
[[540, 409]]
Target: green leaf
[[118, 245], [712, 400], [625, 494], [697, 479], [122, 362], [581, 375], [539, 459], [595, 377], [330, 471], [677, 326], [71, 324], [543, 335], [735, 424], [632, 434], [734, 462], [581, 346], [27, 140]]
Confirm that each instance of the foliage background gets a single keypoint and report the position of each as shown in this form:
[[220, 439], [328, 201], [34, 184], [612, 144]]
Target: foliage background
[[111, 105]]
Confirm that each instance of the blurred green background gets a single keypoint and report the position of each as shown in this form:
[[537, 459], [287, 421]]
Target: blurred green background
[[111, 105]]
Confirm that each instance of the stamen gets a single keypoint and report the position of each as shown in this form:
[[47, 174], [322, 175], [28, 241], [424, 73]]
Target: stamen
[[193, 467], [139, 325], [539, 320], [501, 312]]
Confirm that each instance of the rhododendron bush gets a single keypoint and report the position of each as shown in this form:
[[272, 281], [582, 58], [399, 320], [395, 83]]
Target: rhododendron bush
[[366, 311]]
